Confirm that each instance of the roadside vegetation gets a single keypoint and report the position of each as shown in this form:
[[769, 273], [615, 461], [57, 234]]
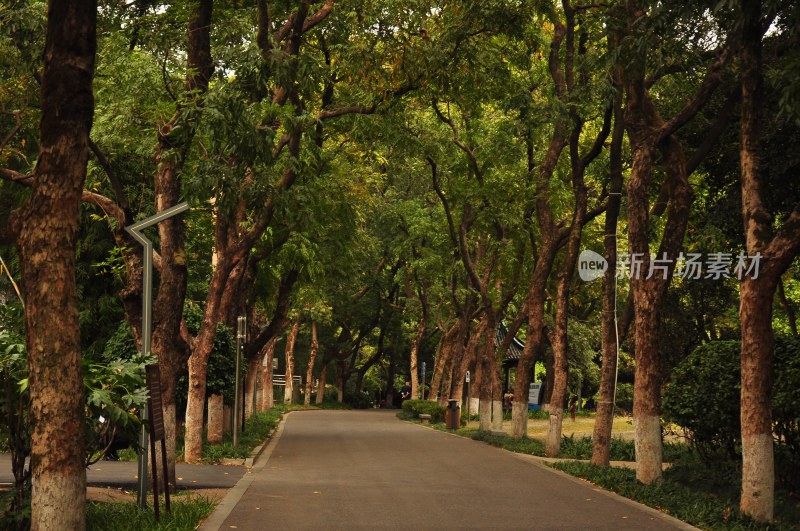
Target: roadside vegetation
[[705, 498], [187, 510], [401, 199]]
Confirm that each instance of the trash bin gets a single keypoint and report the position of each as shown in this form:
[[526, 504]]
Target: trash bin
[[452, 415]]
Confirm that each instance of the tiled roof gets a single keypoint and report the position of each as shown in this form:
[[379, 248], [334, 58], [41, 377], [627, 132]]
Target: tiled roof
[[515, 349]]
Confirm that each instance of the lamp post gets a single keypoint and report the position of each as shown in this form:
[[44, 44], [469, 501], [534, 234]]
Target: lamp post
[[135, 231], [241, 334]]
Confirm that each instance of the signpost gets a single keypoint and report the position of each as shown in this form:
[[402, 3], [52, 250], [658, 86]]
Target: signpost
[[534, 391], [136, 231]]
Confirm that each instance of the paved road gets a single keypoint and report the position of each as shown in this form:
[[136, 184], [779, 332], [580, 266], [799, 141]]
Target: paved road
[[123, 474], [368, 470]]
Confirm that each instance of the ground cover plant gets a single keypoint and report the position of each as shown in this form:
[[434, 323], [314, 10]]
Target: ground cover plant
[[187, 510]]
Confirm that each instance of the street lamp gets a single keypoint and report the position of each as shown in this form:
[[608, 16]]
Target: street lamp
[[241, 335]]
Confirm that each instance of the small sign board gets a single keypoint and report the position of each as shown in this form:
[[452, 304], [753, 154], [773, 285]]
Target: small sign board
[[155, 408], [467, 377], [534, 390]]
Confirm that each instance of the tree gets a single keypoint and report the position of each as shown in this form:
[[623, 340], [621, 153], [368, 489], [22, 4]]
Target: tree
[[777, 250], [650, 135], [47, 228]]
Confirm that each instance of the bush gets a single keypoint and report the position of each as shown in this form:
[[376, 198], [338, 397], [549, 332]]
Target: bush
[[704, 397], [427, 407], [357, 400], [699, 509], [624, 400]]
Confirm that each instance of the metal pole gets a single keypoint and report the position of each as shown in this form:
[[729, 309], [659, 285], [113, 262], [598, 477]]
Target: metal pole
[[135, 231], [147, 315], [236, 385], [422, 387]]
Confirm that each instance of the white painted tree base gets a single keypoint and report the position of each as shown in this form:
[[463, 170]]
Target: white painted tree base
[[758, 477], [51, 494], [649, 458], [519, 420]]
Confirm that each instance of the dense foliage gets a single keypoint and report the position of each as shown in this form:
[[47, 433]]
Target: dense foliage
[[703, 397]]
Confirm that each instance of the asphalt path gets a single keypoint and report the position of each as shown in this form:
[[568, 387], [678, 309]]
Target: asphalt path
[[124, 474], [369, 470]]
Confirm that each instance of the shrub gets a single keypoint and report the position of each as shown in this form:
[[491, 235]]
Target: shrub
[[357, 400], [704, 397], [624, 400], [427, 407]]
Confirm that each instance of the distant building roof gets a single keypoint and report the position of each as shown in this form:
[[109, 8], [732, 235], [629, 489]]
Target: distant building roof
[[514, 350]]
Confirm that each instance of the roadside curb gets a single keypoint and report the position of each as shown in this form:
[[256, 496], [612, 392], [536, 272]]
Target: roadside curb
[[543, 463], [680, 524], [257, 460]]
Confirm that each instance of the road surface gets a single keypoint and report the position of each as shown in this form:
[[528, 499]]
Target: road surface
[[369, 470]]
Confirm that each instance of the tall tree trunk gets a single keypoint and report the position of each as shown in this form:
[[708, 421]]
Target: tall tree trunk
[[604, 419], [758, 464], [560, 345], [215, 419], [312, 357], [446, 347], [466, 362], [168, 343], [290, 342], [757, 294], [340, 381], [323, 374], [491, 405], [47, 231], [251, 387], [415, 344], [267, 395]]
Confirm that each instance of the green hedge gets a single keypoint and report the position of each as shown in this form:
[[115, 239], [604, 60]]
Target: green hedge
[[703, 396], [427, 407]]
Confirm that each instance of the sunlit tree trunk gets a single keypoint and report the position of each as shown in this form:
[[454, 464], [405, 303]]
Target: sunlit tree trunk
[[267, 395], [312, 357], [215, 419], [290, 342], [415, 344], [446, 347], [323, 374], [251, 387]]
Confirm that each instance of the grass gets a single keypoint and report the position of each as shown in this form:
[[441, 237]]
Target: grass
[[572, 447], [701, 509], [187, 511], [257, 430]]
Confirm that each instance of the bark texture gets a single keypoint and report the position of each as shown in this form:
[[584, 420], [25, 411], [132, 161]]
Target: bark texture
[[215, 419], [604, 419], [290, 342], [47, 230], [757, 294], [267, 395], [174, 140], [312, 358]]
